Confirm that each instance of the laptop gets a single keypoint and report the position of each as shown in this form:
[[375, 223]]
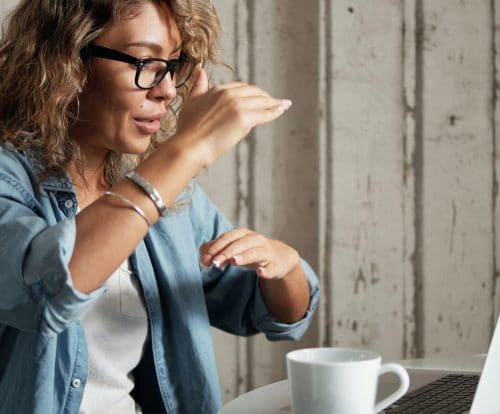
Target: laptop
[[458, 393]]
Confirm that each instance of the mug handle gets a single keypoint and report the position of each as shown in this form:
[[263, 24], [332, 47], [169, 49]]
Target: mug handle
[[396, 395]]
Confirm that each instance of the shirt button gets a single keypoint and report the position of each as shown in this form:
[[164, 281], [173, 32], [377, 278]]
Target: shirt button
[[76, 383], [69, 203]]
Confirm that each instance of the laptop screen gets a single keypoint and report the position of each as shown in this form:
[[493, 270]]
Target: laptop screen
[[487, 397]]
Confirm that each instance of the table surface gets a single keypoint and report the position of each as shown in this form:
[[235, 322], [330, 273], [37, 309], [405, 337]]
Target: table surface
[[274, 399]]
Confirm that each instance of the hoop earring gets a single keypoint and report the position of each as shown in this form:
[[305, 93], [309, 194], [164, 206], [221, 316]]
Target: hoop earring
[[77, 108], [175, 105], [75, 118]]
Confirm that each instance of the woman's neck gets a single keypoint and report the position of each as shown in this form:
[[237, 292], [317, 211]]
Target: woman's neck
[[88, 180]]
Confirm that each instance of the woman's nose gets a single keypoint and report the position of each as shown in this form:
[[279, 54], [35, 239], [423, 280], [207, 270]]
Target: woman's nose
[[165, 90]]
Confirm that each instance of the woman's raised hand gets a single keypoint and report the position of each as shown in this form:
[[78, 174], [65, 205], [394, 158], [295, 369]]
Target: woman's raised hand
[[271, 259], [213, 120]]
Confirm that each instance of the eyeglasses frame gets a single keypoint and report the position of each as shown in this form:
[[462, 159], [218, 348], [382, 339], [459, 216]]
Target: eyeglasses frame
[[106, 53]]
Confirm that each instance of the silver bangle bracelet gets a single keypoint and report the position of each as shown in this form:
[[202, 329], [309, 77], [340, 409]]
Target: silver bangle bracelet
[[152, 192], [130, 204]]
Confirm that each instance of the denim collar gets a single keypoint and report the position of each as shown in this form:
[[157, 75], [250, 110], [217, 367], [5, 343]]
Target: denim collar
[[51, 183], [58, 184]]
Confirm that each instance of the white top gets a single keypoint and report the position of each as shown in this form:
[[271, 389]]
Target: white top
[[116, 330]]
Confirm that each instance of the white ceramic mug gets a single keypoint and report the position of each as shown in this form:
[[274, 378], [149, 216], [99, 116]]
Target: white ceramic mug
[[339, 381]]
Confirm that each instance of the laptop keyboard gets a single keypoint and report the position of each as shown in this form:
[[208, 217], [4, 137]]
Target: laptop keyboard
[[451, 394]]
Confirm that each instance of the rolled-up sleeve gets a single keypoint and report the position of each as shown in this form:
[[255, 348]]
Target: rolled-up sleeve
[[235, 304], [36, 290], [233, 296], [272, 327]]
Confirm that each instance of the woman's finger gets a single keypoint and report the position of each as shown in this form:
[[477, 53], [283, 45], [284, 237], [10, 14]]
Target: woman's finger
[[270, 271], [255, 255], [209, 250], [254, 242], [229, 85], [258, 102], [258, 259], [225, 239], [264, 116]]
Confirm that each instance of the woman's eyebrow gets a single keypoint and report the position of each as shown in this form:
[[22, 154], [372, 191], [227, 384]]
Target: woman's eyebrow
[[152, 45]]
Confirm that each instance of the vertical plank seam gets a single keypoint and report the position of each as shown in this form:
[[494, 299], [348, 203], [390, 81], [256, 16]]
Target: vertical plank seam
[[251, 164], [322, 212], [239, 191], [419, 184], [251, 137], [240, 194], [326, 172], [494, 189], [407, 108], [236, 43], [408, 202], [328, 280]]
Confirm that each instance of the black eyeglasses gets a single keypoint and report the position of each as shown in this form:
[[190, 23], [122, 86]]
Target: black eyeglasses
[[150, 71]]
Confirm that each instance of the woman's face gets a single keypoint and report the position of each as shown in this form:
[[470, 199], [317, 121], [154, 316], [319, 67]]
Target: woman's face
[[114, 113]]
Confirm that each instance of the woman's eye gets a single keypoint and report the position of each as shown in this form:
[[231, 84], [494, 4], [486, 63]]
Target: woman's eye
[[153, 66]]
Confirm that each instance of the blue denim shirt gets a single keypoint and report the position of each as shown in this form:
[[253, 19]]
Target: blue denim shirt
[[43, 354]]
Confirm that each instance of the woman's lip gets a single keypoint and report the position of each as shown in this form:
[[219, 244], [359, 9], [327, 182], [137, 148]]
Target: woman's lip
[[148, 127]]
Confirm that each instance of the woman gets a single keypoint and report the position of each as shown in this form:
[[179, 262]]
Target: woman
[[104, 306]]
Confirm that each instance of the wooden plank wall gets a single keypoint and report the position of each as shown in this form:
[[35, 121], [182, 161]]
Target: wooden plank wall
[[384, 174], [457, 142], [366, 128], [275, 170]]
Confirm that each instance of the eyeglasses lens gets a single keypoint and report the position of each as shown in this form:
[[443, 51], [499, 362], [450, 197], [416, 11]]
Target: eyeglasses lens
[[154, 71]]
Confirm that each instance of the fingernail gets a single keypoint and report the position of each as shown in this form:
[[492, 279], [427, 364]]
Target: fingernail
[[287, 103], [218, 260], [261, 271], [206, 259], [237, 259]]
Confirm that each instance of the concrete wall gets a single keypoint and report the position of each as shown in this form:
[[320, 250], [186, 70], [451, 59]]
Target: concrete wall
[[384, 174]]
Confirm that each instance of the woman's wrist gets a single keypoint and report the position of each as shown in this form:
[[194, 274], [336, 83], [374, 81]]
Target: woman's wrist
[[168, 170], [195, 152], [290, 256], [287, 298]]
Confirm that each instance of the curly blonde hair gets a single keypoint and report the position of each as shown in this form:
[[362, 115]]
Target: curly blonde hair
[[42, 72]]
